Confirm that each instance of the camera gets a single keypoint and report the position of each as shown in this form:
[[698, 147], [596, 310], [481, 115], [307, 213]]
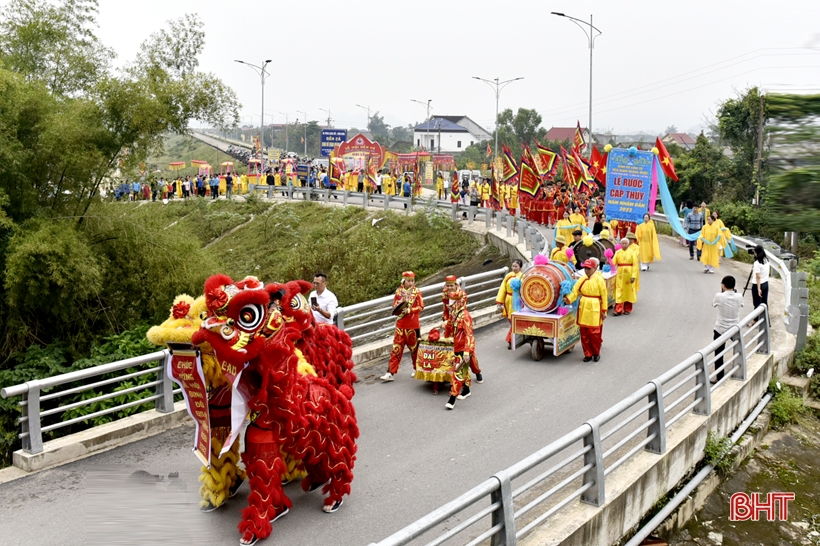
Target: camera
[[750, 249]]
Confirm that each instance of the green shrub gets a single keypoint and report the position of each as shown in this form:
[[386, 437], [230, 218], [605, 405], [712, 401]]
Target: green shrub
[[786, 407], [717, 452], [809, 357]]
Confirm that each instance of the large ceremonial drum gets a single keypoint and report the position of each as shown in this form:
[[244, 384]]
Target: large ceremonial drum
[[596, 250], [541, 286], [608, 244]]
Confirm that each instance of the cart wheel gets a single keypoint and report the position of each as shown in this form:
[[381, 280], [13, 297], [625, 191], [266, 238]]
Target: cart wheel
[[537, 349]]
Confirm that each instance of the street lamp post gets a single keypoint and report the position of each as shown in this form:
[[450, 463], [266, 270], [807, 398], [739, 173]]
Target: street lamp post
[[427, 121], [262, 75], [329, 119], [497, 86], [368, 114], [591, 37], [305, 137]]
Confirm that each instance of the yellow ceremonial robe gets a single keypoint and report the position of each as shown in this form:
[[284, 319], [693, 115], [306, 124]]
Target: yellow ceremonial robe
[[592, 291], [628, 268], [505, 293], [649, 249], [563, 229], [578, 219], [559, 255], [710, 238]]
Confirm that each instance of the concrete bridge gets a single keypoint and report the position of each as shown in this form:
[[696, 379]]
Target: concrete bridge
[[414, 456]]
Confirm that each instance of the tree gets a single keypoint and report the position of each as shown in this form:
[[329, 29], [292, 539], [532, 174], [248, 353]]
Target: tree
[[66, 125], [519, 129], [670, 129], [739, 122], [700, 172], [377, 126], [54, 44]]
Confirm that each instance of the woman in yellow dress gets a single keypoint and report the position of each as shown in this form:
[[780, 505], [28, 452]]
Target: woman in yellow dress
[[648, 242], [708, 243], [564, 227], [578, 219], [504, 299], [725, 233]]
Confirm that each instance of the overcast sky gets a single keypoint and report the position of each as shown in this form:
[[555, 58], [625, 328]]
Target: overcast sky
[[657, 63]]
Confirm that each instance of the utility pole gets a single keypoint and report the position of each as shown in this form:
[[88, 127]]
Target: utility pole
[[305, 137], [759, 159], [329, 119], [368, 114], [427, 121]]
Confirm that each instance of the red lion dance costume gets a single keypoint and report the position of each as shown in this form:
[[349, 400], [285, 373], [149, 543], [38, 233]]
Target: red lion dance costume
[[305, 416]]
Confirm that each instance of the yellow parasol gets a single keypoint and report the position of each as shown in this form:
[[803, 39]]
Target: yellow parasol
[[177, 165]]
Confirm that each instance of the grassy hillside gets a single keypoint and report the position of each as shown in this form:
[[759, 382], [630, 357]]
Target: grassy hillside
[[183, 148], [284, 241]]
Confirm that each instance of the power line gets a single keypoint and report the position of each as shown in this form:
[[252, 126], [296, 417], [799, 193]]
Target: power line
[[691, 89], [674, 80]]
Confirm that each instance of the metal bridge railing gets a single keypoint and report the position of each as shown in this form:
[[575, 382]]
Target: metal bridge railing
[[46, 401], [575, 467]]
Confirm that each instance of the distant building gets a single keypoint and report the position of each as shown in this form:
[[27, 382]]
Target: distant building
[[568, 133], [681, 139], [448, 134]]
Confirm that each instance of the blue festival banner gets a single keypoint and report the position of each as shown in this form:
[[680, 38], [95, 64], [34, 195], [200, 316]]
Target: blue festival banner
[[330, 139], [628, 184]]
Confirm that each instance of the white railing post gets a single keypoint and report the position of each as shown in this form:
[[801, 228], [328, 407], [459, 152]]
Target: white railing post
[[658, 445], [595, 495], [165, 404], [704, 407], [505, 514], [740, 373], [33, 443]]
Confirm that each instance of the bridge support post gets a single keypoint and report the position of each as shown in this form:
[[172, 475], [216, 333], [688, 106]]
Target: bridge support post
[[344, 199], [509, 225], [595, 495], [520, 230], [740, 373], [488, 218], [33, 443], [499, 219], [471, 214], [704, 407], [658, 428], [165, 404], [270, 192], [339, 319], [454, 211], [386, 202], [505, 514]]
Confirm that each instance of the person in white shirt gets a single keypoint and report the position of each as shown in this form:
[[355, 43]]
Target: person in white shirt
[[379, 179], [760, 274], [322, 301], [728, 303]]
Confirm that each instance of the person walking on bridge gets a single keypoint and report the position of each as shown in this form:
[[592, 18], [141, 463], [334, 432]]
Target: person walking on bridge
[[459, 325], [503, 299], [626, 286], [407, 305], [592, 306]]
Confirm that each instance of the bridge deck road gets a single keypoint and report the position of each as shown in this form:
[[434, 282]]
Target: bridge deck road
[[414, 455]]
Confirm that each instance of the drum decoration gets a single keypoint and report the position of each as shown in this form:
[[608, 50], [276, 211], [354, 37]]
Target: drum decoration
[[583, 252], [541, 286]]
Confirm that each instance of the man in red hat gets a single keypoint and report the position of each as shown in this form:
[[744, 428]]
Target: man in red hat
[[459, 326], [591, 289], [407, 325]]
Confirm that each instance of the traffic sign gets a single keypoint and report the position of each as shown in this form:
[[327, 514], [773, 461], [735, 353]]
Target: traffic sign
[[332, 138]]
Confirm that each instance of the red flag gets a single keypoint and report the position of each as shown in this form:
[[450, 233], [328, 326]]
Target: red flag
[[529, 182], [666, 160], [598, 165], [578, 143], [570, 173], [545, 161], [510, 168], [489, 150]]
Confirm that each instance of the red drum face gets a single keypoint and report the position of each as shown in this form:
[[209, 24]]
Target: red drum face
[[541, 287]]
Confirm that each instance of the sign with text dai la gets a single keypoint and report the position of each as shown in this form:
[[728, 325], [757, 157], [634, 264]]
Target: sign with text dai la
[[628, 184]]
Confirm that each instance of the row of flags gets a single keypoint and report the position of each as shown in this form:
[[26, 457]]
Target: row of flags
[[535, 170]]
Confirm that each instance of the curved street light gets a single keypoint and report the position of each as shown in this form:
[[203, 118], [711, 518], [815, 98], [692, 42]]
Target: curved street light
[[591, 38], [497, 86], [262, 75]]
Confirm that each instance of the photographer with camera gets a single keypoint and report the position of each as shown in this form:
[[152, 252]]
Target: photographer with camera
[[323, 302]]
